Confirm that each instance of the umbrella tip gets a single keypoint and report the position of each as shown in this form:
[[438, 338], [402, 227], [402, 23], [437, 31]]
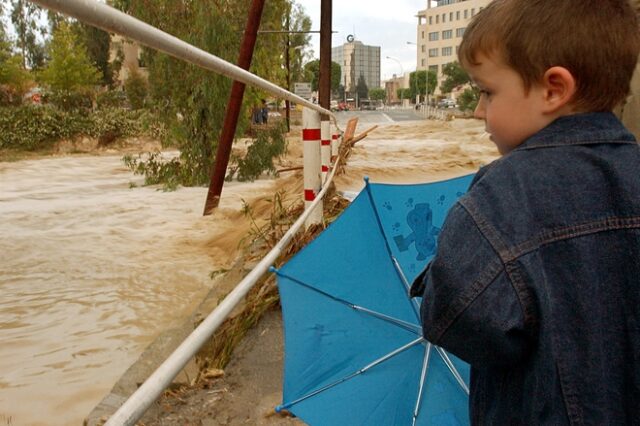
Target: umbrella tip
[[279, 408], [272, 269], [366, 179]]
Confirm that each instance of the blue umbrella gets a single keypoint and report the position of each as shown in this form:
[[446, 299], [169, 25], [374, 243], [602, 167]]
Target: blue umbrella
[[354, 352]]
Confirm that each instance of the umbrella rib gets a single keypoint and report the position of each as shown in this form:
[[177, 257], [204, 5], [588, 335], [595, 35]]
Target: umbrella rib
[[452, 369], [423, 380], [413, 303], [414, 328], [407, 287], [352, 375]]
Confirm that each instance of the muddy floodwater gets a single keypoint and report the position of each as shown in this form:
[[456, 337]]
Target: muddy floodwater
[[91, 271], [94, 266]]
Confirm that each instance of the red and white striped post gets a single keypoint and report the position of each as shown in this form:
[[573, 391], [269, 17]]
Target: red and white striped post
[[325, 149], [311, 137], [335, 143]]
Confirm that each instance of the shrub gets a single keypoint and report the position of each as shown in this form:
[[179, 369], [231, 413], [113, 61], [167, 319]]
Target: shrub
[[269, 144], [112, 99], [136, 89], [37, 127]]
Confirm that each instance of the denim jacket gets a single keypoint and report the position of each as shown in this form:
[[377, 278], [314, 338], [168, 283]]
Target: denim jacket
[[536, 279]]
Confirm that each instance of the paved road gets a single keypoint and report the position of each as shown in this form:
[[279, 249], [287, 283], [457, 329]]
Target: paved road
[[380, 116]]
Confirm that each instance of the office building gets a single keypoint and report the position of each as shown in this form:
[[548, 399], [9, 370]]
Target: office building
[[356, 59]]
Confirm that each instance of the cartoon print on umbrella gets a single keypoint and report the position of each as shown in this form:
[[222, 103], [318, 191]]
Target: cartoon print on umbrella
[[354, 350], [420, 220]]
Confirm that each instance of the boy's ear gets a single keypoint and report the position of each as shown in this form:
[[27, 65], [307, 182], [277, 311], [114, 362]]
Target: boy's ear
[[559, 88]]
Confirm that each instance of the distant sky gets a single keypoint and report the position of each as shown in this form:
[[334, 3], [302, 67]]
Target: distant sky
[[389, 24]]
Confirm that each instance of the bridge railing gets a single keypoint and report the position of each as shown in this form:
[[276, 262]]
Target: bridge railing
[[109, 19]]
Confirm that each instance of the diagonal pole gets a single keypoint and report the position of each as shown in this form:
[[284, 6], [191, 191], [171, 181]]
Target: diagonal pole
[[233, 109]]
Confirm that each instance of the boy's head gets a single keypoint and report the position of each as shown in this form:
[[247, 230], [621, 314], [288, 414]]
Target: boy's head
[[580, 54]]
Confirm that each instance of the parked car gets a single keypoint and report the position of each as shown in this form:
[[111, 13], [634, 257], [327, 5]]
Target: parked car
[[447, 103]]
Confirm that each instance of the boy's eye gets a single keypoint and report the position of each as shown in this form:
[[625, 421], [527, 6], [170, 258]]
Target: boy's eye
[[484, 92]]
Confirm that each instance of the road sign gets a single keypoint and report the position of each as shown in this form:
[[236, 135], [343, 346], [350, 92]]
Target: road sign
[[302, 89]]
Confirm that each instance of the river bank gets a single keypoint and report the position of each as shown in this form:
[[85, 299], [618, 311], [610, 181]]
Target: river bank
[[250, 385]]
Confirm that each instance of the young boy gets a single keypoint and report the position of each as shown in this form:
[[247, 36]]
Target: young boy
[[536, 279]]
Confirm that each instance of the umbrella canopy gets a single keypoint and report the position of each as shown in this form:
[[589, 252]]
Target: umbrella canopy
[[354, 352]]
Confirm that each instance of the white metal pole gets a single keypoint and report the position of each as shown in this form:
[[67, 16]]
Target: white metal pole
[[325, 149], [311, 161]]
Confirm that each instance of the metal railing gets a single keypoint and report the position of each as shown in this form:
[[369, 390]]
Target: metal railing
[[109, 19], [112, 20]]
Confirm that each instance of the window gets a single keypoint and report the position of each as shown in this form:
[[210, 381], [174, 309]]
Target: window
[[430, 20], [433, 36], [437, 19], [433, 68], [450, 16], [422, 35], [466, 14], [444, 18], [447, 34], [460, 32], [458, 15], [433, 53], [447, 51], [423, 48], [473, 11], [422, 62]]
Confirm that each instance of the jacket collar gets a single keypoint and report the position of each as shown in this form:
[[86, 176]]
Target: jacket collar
[[580, 129]]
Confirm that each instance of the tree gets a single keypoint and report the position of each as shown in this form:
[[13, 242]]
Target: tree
[[404, 93], [417, 82], [199, 97], [14, 79], [298, 23], [468, 100], [361, 88], [136, 89], [70, 76], [312, 72], [97, 43], [25, 17], [455, 76], [377, 94]]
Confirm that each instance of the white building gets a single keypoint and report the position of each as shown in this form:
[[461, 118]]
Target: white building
[[440, 30]]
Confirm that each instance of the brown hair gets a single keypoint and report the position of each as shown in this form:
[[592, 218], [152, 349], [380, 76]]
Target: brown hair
[[596, 40]]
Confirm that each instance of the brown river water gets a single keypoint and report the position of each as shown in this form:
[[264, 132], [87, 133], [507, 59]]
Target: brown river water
[[93, 269]]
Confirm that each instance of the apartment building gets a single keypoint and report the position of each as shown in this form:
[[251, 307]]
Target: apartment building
[[440, 29], [355, 59]]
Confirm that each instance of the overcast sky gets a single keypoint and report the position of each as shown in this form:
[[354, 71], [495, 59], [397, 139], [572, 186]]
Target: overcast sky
[[384, 23]]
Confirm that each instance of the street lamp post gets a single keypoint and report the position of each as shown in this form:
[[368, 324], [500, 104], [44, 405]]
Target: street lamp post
[[426, 74], [402, 74]]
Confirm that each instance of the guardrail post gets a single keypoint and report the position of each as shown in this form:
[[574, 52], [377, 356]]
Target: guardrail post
[[325, 149], [335, 144], [311, 137]]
